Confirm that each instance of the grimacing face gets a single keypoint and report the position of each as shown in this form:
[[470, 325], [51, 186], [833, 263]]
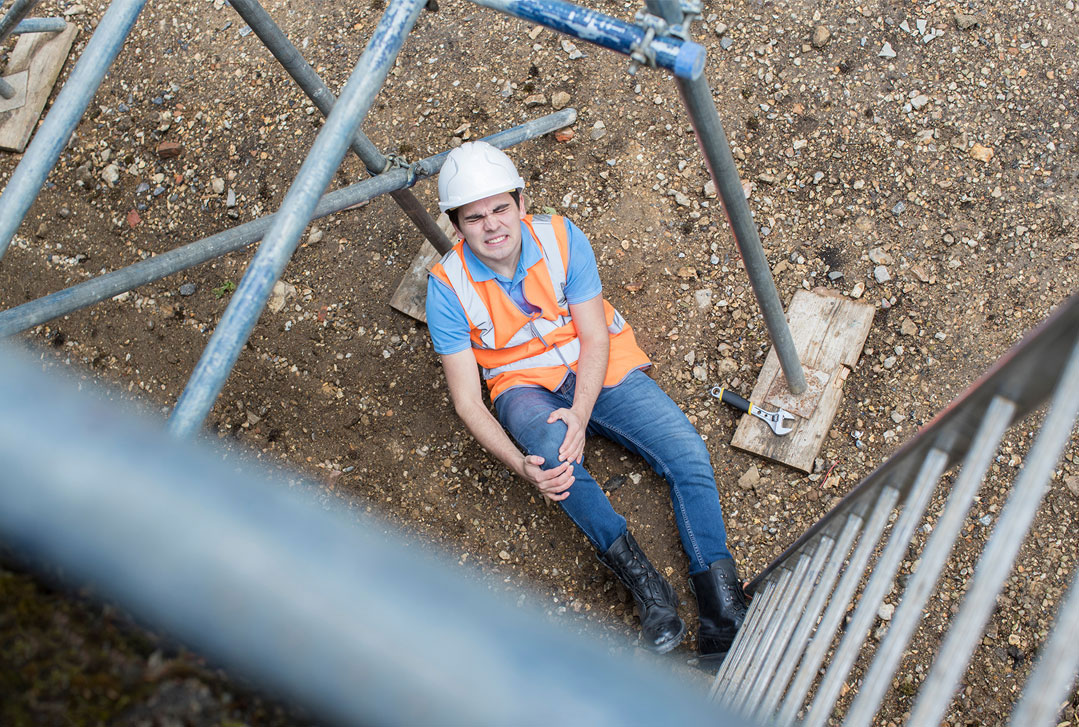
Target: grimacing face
[[491, 228]]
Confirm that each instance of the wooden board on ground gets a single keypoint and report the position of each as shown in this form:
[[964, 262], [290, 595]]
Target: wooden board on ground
[[43, 55], [411, 295], [829, 332]]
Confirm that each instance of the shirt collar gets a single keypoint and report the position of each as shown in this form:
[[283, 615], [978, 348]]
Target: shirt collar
[[530, 255]]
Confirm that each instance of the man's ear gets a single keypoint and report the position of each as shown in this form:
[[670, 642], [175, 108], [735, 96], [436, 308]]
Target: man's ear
[[523, 204]]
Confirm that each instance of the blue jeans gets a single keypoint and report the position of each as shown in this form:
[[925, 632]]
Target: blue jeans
[[639, 416]]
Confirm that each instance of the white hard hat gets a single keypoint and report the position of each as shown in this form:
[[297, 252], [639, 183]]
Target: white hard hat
[[473, 171]]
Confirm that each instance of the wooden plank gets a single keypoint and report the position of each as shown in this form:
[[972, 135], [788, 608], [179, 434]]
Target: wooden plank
[[43, 55], [411, 295], [829, 332]]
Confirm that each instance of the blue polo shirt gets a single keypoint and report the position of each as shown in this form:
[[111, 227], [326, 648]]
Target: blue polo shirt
[[446, 318]]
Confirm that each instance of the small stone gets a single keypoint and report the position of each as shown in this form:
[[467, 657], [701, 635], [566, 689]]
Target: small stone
[[133, 218], [919, 272], [75, 10], [682, 200], [217, 184], [686, 272], [821, 36], [889, 362], [750, 478], [563, 135], [879, 257], [835, 275], [710, 189], [919, 101], [314, 236], [42, 231], [908, 327], [964, 21], [864, 224], [981, 153], [858, 290], [922, 25], [703, 298], [169, 150], [881, 275], [886, 51], [700, 373], [111, 174], [187, 289], [536, 99], [900, 208], [504, 555], [725, 43], [614, 482], [898, 417], [599, 130], [1072, 483], [63, 213], [885, 611], [230, 199], [282, 291], [559, 100]]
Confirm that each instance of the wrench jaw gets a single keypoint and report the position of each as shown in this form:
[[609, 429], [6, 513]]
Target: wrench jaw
[[776, 420]]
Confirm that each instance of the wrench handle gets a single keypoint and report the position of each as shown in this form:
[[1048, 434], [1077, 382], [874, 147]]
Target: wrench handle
[[733, 399]]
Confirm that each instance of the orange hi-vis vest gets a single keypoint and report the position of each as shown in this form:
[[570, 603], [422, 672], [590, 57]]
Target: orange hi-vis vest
[[517, 349]]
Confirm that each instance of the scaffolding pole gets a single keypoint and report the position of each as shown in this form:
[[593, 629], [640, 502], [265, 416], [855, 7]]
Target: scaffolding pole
[[70, 104], [293, 62], [697, 98], [294, 215], [8, 24], [105, 286]]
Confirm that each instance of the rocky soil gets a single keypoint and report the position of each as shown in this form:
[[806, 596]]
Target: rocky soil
[[920, 157]]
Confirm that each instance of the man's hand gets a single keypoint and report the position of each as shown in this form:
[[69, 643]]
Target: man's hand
[[554, 483], [572, 449]]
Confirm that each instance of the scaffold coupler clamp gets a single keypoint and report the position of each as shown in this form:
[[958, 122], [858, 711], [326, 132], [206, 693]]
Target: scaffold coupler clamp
[[642, 53]]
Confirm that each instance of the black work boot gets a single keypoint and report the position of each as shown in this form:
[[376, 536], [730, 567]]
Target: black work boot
[[722, 605], [657, 606]]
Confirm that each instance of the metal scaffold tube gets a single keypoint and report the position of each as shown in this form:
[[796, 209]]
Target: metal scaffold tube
[[294, 215], [320, 606], [837, 607], [997, 559], [293, 62], [909, 612], [683, 58], [105, 286], [8, 24], [701, 107], [70, 104], [880, 581], [40, 25]]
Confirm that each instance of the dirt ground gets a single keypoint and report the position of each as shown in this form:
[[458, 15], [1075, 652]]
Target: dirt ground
[[920, 156]]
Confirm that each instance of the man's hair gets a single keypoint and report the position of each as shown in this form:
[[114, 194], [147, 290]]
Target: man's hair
[[452, 214]]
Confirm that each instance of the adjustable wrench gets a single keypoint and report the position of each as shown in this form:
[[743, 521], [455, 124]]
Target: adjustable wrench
[[775, 419]]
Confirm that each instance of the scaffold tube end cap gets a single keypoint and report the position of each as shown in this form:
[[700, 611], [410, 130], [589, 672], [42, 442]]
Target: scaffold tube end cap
[[689, 63]]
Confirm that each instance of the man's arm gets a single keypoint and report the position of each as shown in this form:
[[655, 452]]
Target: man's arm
[[463, 379], [595, 340]]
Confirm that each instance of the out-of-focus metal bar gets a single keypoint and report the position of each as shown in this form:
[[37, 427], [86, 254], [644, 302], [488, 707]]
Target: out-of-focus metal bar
[[294, 215], [1026, 374], [40, 25], [70, 104], [784, 611], [1048, 686], [105, 286], [293, 62], [793, 653], [19, 10], [324, 608], [683, 58], [908, 615], [997, 559], [877, 588], [837, 607], [748, 664], [805, 584], [757, 611]]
